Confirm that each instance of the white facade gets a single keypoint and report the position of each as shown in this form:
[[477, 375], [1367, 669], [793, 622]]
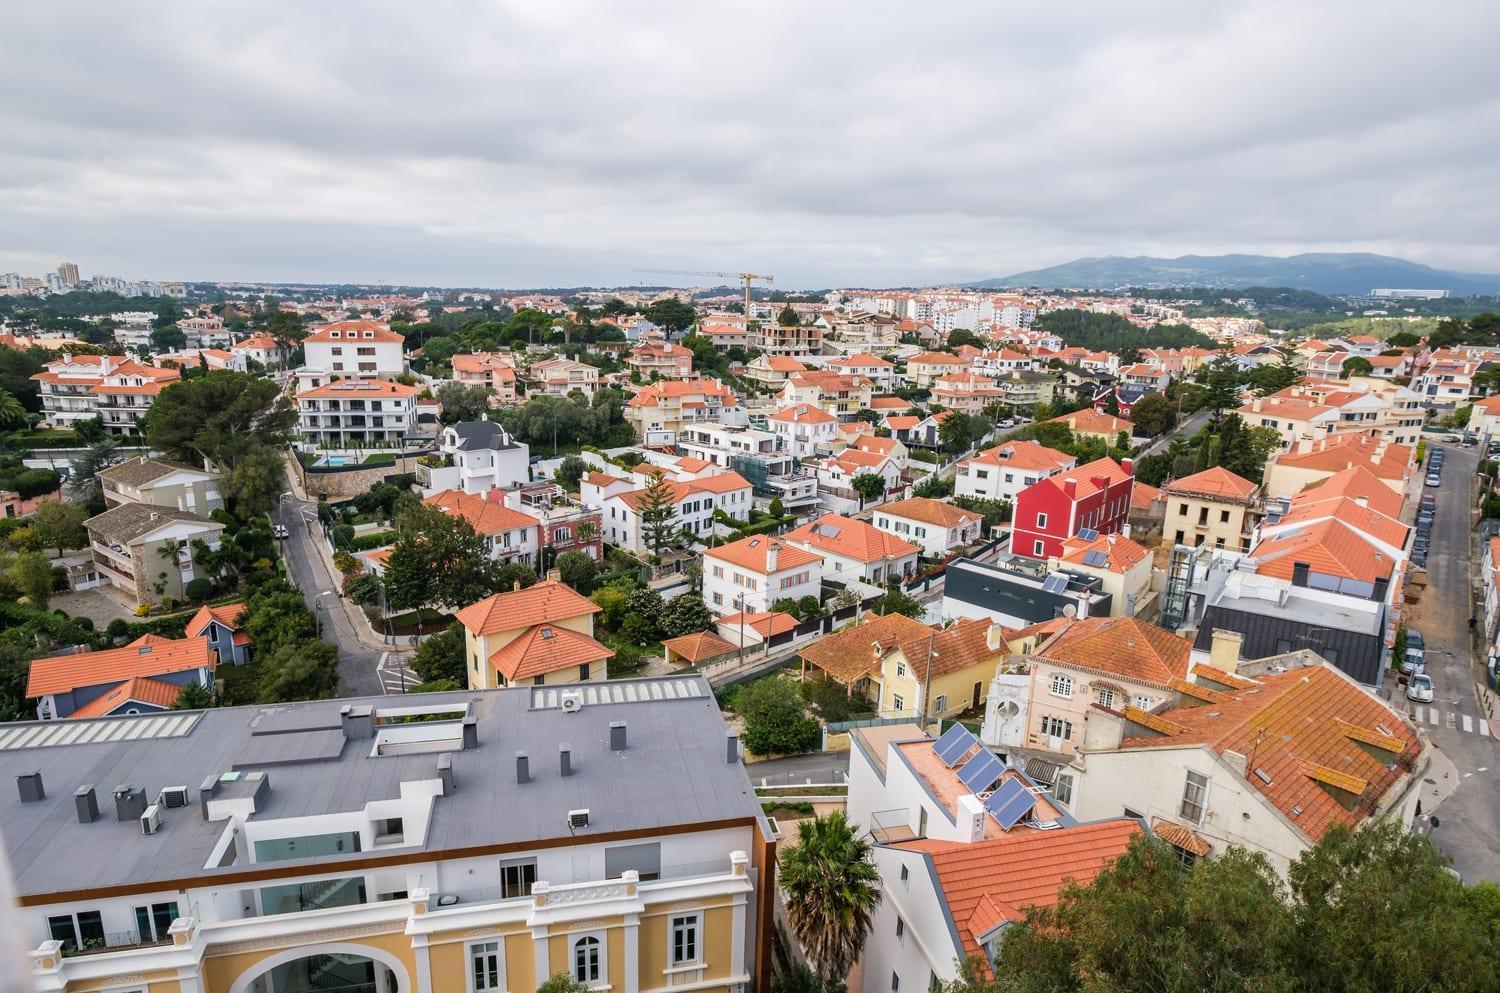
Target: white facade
[[937, 540], [803, 428], [352, 354], [693, 511], [477, 467], [729, 588]]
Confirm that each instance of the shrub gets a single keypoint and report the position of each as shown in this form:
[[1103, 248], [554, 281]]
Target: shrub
[[343, 535], [809, 607], [199, 589], [344, 562], [832, 699], [776, 721], [375, 539], [361, 588], [786, 605], [627, 660], [117, 628]]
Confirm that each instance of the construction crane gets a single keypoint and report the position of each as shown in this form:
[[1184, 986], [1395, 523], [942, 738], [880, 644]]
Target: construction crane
[[746, 277]]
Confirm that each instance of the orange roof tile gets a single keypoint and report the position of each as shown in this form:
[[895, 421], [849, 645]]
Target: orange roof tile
[[546, 602], [1143, 495], [851, 539], [1294, 727], [1023, 454], [487, 516], [1090, 421], [929, 511], [1348, 449], [1084, 475], [1229, 680], [1121, 554], [546, 648], [1181, 837], [1356, 483], [751, 554], [1215, 483], [851, 654], [765, 624], [140, 689], [698, 646], [354, 331], [1126, 647], [1329, 547], [803, 413], [986, 883], [229, 614], [148, 655]]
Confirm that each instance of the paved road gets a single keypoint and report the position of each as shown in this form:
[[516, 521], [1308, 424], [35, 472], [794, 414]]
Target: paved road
[[1469, 820], [819, 767], [366, 667], [1184, 429]]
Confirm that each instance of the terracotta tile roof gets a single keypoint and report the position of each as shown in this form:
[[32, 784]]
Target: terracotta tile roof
[[1126, 647], [148, 655], [1348, 510], [1085, 475], [1181, 837], [546, 648], [229, 614], [140, 689], [986, 883], [1295, 728], [724, 482], [871, 443], [341, 331], [1202, 672], [1329, 547], [1217, 483], [1090, 421], [546, 602], [889, 403], [1142, 496], [862, 361], [1197, 691], [930, 511], [851, 539], [954, 649], [1023, 455], [803, 413], [1356, 483], [750, 554], [697, 647], [853, 461], [935, 358], [656, 392], [1121, 554], [487, 516], [849, 655], [765, 624], [901, 422], [1348, 449], [347, 389]]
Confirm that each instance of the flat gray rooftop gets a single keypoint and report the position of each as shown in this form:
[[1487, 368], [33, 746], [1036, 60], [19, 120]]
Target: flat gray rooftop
[[673, 771]]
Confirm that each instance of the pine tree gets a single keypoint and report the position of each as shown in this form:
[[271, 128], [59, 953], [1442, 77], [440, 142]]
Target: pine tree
[[658, 510]]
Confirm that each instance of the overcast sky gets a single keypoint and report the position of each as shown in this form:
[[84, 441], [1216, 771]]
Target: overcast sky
[[558, 143]]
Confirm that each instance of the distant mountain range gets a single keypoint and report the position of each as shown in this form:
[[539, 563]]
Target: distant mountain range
[[1334, 273]]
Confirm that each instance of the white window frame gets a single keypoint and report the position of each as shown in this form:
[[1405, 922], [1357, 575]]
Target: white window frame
[[1058, 789], [1060, 686], [897, 703], [1041, 520], [697, 961], [472, 951], [1201, 802], [601, 960], [940, 703]]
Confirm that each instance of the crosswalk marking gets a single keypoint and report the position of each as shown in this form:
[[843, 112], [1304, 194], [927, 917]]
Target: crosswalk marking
[[1484, 727], [1468, 724], [1433, 716]]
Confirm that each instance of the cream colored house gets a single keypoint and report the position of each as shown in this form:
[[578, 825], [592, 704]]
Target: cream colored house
[[543, 634], [1122, 566], [1308, 462], [1214, 507], [162, 484]]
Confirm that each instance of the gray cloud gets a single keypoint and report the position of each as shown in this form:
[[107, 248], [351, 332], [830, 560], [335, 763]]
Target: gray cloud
[[831, 143]]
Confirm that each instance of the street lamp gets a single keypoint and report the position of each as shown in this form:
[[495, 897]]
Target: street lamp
[[318, 613], [739, 601]]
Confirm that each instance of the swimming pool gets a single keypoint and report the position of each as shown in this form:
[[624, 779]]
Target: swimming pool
[[336, 460]]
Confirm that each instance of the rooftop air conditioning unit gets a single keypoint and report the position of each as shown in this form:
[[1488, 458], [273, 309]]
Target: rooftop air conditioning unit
[[151, 820], [172, 796], [572, 701], [578, 818]]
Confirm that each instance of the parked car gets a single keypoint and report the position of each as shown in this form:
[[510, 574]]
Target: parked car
[[1009, 422], [1416, 651], [280, 531], [1434, 479], [1419, 689]]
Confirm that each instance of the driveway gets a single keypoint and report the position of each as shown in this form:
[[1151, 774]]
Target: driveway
[[100, 605], [1469, 820]]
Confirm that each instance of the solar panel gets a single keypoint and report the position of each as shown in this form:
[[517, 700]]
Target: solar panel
[[1055, 584], [1010, 802], [1095, 558], [953, 746], [981, 772], [1088, 534]]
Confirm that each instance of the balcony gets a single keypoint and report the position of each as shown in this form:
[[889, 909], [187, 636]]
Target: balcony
[[890, 826]]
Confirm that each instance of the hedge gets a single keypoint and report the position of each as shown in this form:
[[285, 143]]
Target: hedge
[[375, 539]]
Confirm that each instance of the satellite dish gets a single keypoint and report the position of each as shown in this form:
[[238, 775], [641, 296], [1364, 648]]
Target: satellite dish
[[1070, 611]]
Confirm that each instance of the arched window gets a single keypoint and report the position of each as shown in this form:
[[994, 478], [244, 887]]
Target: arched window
[[586, 959]]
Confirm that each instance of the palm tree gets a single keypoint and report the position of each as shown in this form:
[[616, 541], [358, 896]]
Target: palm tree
[[832, 888], [12, 414]]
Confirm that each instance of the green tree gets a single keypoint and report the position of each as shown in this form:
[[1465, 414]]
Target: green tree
[[1153, 414], [461, 402], [221, 417], [442, 657], [671, 314], [868, 486], [438, 559], [572, 470], [893, 601], [1268, 379], [776, 719], [31, 573], [959, 431], [612, 601], [297, 670], [83, 471], [1403, 339], [658, 512], [646, 604], [809, 607], [788, 317], [578, 570], [194, 697], [1221, 381], [59, 525], [278, 615], [1356, 365], [12, 414], [832, 889], [562, 982], [686, 614], [362, 588], [255, 484], [776, 508], [168, 338]]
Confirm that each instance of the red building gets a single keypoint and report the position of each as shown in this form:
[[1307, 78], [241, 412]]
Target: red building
[[1094, 496]]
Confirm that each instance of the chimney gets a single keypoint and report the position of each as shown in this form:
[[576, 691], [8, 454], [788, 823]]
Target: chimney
[[87, 804], [1103, 730], [565, 759], [1128, 465], [1224, 652], [130, 803], [771, 550], [445, 772], [994, 637], [1255, 405], [1236, 761], [617, 736], [30, 786], [523, 768], [731, 747], [1070, 488], [206, 791], [357, 721], [471, 732]]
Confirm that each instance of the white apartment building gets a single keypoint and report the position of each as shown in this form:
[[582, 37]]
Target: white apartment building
[[77, 388], [351, 350], [356, 413], [752, 574], [458, 841], [802, 428], [936, 526], [1002, 472], [854, 550], [693, 502]]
